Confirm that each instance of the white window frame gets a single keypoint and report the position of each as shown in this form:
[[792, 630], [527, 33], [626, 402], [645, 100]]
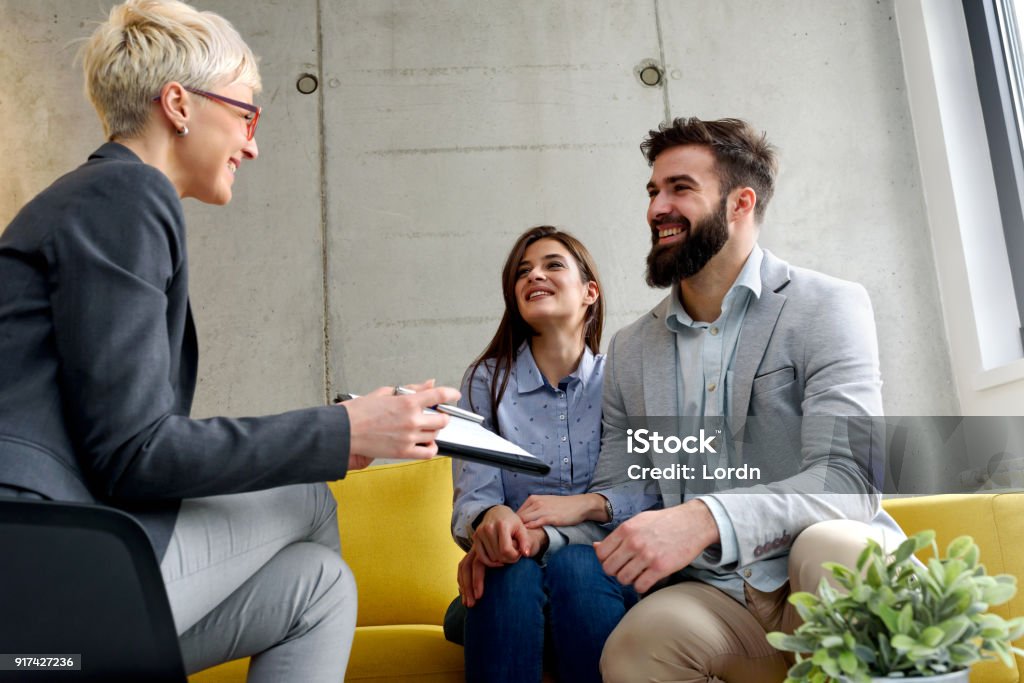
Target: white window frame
[[962, 203]]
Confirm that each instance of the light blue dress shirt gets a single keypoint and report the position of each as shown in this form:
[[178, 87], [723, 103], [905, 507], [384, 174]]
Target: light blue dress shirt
[[706, 352], [560, 425]]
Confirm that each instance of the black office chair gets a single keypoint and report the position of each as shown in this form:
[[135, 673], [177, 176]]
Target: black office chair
[[83, 580]]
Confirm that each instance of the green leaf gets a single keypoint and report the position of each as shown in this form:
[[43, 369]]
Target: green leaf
[[906, 549], [954, 568], [777, 639], [937, 571], [861, 593], [953, 629], [903, 643], [998, 593], [920, 652], [963, 654], [832, 641], [805, 599], [906, 619], [862, 559], [955, 603], [848, 662], [960, 546], [831, 667], [1002, 652], [838, 570], [801, 669], [932, 636], [865, 654], [889, 616], [792, 642], [875, 573], [971, 558], [1015, 627]]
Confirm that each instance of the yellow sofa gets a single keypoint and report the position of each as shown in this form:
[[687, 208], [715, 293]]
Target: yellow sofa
[[395, 537]]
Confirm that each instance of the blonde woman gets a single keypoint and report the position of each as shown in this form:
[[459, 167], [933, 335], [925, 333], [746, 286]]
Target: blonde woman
[[99, 363]]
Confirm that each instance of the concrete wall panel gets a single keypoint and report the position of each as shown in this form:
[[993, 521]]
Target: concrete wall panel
[[825, 81], [450, 128], [257, 267]]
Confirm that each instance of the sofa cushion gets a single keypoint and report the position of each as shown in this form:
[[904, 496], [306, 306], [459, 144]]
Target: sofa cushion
[[395, 535], [397, 654]]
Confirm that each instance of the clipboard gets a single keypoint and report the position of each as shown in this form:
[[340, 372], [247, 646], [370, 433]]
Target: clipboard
[[469, 440], [466, 439]]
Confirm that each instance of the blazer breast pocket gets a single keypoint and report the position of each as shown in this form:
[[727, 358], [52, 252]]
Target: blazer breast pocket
[[776, 393], [773, 380]]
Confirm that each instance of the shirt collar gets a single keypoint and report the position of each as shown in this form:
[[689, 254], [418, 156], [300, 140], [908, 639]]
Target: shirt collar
[[749, 278], [750, 275], [529, 377]]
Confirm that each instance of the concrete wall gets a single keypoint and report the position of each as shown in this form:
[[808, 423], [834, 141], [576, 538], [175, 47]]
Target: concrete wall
[[364, 246]]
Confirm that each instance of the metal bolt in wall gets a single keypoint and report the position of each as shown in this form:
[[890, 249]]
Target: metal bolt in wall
[[307, 84], [650, 73]]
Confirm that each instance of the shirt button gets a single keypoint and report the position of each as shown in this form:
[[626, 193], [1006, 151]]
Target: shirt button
[[565, 460], [747, 573], [563, 438], [712, 386], [713, 331], [561, 417]]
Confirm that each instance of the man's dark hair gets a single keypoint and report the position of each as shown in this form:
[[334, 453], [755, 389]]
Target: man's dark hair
[[744, 157]]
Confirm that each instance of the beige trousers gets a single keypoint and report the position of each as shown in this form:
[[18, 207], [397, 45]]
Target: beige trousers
[[691, 632]]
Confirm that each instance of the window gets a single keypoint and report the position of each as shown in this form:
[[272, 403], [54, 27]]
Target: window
[[992, 26]]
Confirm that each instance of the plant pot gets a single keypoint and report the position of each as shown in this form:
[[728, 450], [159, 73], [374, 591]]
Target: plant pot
[[954, 677]]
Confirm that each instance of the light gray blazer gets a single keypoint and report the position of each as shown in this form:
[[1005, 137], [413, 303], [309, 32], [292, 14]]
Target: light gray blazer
[[807, 348]]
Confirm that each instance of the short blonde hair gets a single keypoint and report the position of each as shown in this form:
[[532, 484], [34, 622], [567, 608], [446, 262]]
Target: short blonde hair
[[145, 44]]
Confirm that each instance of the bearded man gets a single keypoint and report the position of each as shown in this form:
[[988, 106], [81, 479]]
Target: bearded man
[[746, 339]]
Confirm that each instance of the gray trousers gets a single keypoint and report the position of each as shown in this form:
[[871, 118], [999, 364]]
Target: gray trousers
[[260, 574]]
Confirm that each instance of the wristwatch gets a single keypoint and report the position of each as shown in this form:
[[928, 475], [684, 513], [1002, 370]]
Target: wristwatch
[[608, 508]]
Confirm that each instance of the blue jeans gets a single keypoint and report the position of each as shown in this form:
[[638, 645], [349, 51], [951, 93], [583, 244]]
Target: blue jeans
[[569, 606]]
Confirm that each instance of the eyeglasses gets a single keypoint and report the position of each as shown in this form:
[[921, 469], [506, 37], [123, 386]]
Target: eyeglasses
[[250, 121]]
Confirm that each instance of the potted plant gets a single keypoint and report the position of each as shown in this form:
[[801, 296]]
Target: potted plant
[[898, 618]]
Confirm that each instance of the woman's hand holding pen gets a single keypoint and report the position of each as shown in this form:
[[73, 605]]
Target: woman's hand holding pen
[[383, 425]]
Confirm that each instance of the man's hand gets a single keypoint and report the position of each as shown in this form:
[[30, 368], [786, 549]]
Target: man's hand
[[652, 545], [538, 510], [501, 536], [387, 426]]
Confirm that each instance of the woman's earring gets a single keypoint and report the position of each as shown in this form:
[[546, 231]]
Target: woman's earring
[[183, 132]]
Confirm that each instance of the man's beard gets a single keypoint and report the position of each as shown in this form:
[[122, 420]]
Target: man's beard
[[669, 264]]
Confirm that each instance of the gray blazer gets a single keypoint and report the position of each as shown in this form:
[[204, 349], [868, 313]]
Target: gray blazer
[[99, 359], [807, 348]]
